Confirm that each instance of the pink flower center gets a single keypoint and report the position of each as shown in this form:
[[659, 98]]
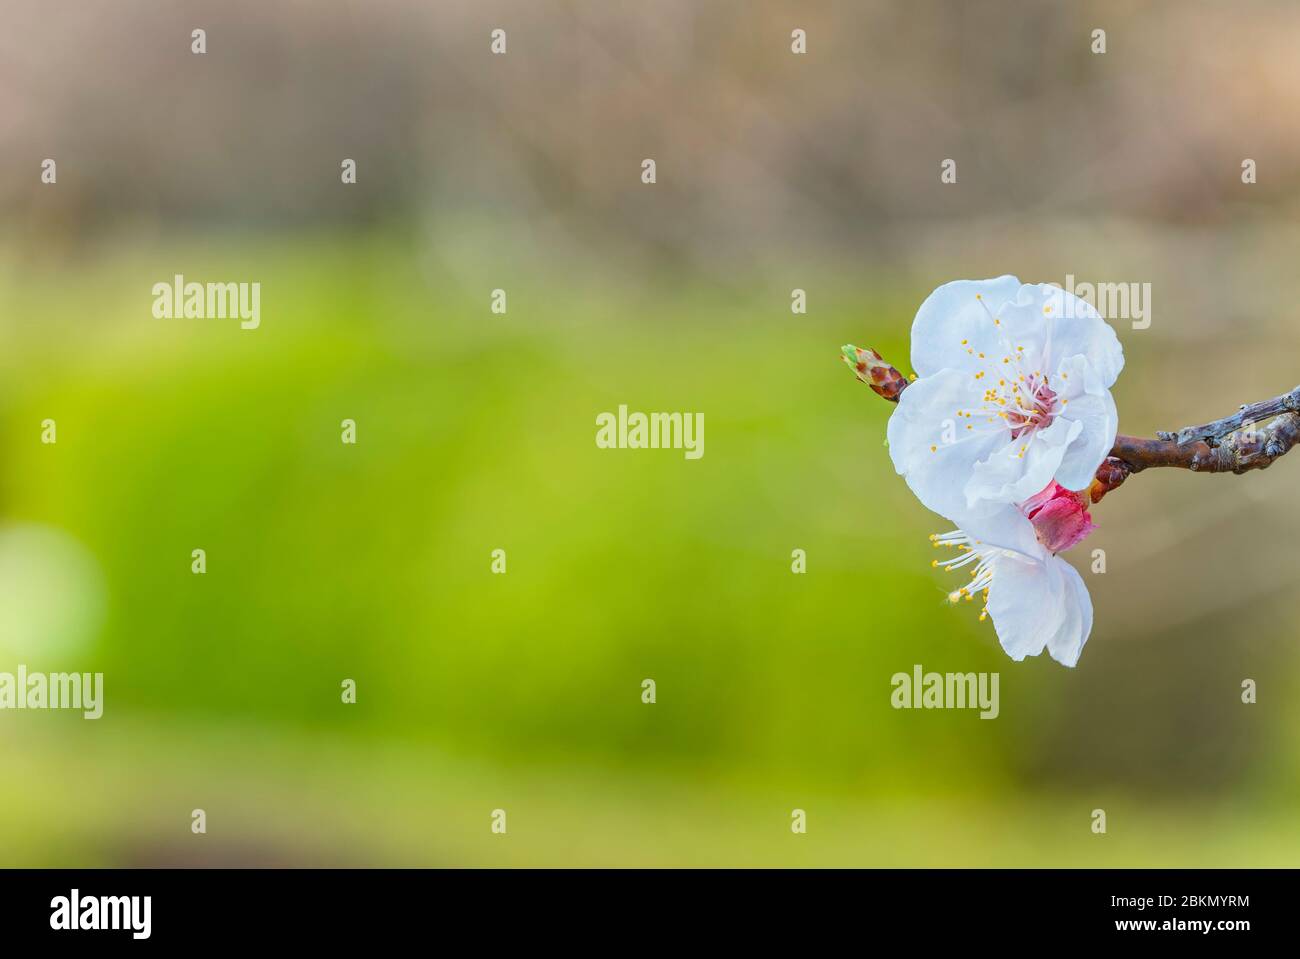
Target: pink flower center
[[1060, 517], [1036, 409]]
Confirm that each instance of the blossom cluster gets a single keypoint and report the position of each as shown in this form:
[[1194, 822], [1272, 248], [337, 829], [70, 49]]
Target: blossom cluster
[[1002, 433]]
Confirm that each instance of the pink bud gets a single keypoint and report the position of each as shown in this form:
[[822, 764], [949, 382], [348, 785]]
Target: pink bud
[[1060, 517]]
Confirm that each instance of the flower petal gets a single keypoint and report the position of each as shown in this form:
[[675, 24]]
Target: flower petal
[[1067, 643], [1075, 327], [1093, 408], [1027, 603], [956, 312], [1006, 476], [1002, 525], [925, 417]]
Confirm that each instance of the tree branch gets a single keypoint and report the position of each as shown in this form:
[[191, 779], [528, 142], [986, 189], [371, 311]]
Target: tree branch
[[1249, 414], [1233, 444]]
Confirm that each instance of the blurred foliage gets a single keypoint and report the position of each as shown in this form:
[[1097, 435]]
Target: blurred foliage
[[371, 562], [475, 431]]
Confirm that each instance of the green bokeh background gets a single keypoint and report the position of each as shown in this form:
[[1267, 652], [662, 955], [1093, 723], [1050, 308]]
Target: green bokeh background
[[475, 432]]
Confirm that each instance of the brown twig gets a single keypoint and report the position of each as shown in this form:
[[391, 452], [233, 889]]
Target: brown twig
[[1248, 448], [1233, 444], [1248, 415]]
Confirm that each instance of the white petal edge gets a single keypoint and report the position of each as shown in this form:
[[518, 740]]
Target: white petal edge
[[1007, 477], [1066, 645], [1099, 422], [936, 471], [1026, 602], [958, 311]]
